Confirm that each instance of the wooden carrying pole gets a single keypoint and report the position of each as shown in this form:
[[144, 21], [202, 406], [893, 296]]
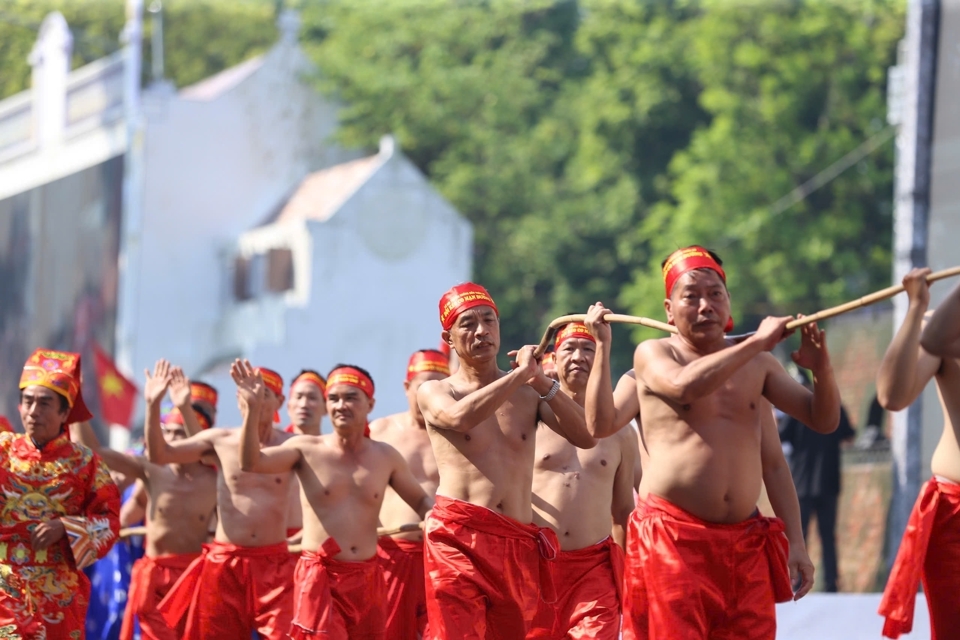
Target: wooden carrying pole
[[612, 317], [883, 294]]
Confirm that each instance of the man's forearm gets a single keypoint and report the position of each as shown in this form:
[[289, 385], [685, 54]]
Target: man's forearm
[[250, 439], [783, 498], [156, 445], [476, 407], [599, 409], [825, 403], [898, 369], [571, 421], [705, 375]]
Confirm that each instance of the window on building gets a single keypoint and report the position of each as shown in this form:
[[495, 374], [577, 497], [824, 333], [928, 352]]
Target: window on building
[[241, 277], [279, 270]]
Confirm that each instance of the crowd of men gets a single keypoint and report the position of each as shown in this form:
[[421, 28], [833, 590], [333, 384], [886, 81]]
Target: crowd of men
[[542, 513]]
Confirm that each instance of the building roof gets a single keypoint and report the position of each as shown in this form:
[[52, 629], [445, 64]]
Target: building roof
[[219, 83], [321, 194]]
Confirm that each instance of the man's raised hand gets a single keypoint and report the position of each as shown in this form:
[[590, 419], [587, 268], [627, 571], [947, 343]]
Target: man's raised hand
[[249, 383], [917, 288], [812, 354], [772, 331], [596, 322], [179, 387], [526, 362], [156, 384]]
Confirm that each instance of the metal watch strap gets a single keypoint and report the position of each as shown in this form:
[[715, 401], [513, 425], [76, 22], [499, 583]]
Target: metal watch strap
[[552, 392]]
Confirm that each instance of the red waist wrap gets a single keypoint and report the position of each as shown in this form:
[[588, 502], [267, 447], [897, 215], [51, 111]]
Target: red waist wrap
[[231, 591], [486, 572], [150, 580], [687, 578], [336, 599], [402, 563], [588, 585], [929, 550]]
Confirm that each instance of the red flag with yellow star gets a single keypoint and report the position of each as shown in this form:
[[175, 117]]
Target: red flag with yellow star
[[117, 393]]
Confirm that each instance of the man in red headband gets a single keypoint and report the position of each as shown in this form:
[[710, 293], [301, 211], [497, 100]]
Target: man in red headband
[[241, 581], [482, 423], [339, 586], [575, 493], [180, 504], [60, 510], [306, 403], [930, 549], [401, 554], [701, 561]]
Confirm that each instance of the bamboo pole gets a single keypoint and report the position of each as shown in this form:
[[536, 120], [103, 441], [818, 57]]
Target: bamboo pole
[[877, 296], [612, 317]]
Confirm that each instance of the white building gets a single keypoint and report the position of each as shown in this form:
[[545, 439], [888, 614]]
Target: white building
[[246, 233]]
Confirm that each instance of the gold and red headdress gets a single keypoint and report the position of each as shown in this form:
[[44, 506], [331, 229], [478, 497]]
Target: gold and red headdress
[[572, 331], [685, 260], [58, 371], [203, 392], [461, 298], [313, 378], [274, 382], [351, 377], [427, 360]]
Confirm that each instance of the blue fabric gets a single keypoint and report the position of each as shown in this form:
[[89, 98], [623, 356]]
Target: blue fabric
[[109, 581]]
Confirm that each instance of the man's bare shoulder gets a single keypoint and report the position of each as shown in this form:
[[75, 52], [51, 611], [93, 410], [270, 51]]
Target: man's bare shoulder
[[381, 426]]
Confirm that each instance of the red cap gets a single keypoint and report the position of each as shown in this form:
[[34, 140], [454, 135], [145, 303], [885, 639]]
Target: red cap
[[460, 298]]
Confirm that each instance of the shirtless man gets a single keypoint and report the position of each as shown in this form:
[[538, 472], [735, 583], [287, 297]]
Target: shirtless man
[[401, 554], [182, 499], [343, 476], [930, 549], [701, 562], [241, 582], [482, 552], [575, 492], [305, 406]]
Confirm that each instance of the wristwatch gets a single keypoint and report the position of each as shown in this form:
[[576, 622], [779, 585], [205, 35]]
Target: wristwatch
[[552, 392]]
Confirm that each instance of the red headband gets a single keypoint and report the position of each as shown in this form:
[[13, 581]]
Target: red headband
[[175, 417], [274, 382], [460, 298], [572, 331], [351, 377], [312, 378], [689, 259], [202, 392], [427, 361], [685, 260]]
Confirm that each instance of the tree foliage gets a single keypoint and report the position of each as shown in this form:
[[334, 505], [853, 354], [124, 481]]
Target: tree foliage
[[587, 139]]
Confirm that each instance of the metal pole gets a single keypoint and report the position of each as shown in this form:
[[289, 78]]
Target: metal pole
[[156, 40], [911, 220]]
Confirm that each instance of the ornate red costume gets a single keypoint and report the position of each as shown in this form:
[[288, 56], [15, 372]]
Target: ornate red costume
[[44, 594], [930, 551]]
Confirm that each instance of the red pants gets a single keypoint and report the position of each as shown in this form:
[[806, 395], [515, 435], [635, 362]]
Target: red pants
[[150, 580], [232, 591], [402, 563], [338, 600], [485, 572], [588, 595], [688, 579], [930, 550]]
